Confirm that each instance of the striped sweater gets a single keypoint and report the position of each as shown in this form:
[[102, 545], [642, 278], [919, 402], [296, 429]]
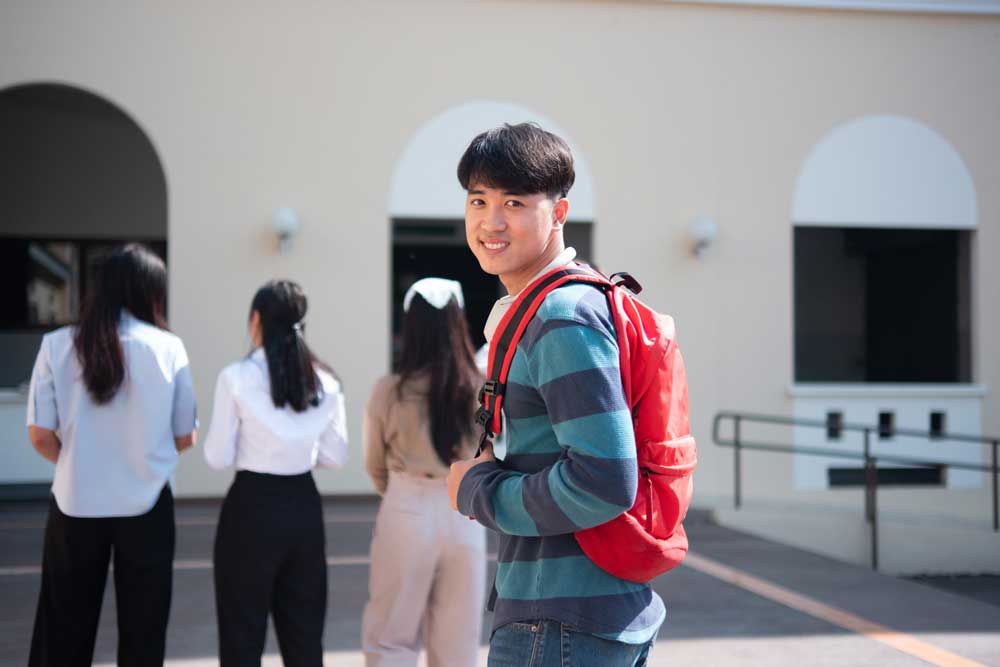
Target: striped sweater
[[570, 465]]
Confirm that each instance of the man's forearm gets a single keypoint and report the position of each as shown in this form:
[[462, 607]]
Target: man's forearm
[[559, 499]]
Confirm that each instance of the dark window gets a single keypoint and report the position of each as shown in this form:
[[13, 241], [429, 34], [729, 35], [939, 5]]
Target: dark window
[[45, 282], [882, 305], [886, 424], [834, 425], [939, 424]]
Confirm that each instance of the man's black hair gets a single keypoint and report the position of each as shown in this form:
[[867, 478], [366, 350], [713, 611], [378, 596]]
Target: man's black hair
[[521, 159]]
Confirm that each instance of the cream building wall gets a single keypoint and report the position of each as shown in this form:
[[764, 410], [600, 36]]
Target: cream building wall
[[680, 110]]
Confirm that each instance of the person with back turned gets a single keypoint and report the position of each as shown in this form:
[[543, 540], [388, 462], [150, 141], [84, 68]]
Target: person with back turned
[[428, 563], [278, 413], [111, 403]]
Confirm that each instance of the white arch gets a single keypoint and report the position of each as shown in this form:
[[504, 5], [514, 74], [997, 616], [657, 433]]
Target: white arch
[[424, 184], [885, 171]]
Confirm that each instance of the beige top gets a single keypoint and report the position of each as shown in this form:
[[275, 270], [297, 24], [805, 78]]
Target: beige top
[[397, 433]]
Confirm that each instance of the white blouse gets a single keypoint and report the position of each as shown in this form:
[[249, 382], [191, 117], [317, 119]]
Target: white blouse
[[115, 458], [249, 432]]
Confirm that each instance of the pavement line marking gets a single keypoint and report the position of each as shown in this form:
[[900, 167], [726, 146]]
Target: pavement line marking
[[20, 569], [186, 564], [204, 564], [211, 521], [898, 640]]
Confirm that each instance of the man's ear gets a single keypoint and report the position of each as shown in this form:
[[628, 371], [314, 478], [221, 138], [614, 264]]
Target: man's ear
[[559, 212]]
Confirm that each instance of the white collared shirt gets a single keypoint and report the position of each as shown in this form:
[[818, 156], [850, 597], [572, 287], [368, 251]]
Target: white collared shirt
[[249, 432], [115, 458], [503, 303], [493, 321]]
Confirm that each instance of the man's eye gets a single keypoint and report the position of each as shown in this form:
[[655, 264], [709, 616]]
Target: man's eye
[[476, 202], [513, 203]]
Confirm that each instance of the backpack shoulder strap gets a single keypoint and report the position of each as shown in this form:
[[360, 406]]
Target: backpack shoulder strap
[[504, 343]]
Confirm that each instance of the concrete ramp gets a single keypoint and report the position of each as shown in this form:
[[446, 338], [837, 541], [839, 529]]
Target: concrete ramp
[[908, 543]]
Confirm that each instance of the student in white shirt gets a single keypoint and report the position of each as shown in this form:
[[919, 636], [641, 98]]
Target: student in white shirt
[[278, 413], [428, 570], [111, 404]]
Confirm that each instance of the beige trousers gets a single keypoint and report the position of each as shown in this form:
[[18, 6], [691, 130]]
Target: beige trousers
[[428, 579]]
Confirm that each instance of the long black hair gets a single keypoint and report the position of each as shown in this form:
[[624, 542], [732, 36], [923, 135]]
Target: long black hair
[[291, 365], [437, 342], [132, 278]]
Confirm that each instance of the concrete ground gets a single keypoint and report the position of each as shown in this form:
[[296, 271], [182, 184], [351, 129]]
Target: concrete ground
[[739, 601]]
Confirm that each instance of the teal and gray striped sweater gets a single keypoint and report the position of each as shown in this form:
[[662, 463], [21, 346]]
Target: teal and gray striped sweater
[[570, 465]]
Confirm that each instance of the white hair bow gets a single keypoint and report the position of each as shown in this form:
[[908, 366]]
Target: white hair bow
[[436, 291]]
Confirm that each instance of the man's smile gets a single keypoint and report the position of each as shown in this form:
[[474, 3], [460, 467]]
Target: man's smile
[[494, 246]]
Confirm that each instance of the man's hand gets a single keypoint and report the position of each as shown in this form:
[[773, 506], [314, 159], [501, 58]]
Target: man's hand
[[458, 470]]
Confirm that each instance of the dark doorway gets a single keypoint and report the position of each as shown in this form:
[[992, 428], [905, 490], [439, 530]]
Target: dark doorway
[[424, 247], [77, 176]]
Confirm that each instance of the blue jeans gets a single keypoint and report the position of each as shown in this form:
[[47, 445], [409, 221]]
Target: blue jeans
[[553, 644]]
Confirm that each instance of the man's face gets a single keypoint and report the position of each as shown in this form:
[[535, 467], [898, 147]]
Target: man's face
[[513, 235]]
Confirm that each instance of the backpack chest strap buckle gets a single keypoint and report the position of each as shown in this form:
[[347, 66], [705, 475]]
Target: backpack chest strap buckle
[[484, 416], [490, 388]]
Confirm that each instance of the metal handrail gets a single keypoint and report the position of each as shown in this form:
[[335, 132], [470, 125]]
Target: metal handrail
[[871, 462]]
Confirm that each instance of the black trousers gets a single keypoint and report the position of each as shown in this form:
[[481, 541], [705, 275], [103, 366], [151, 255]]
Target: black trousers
[[75, 562], [270, 556]]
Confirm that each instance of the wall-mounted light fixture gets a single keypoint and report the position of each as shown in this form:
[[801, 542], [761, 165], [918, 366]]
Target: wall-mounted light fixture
[[703, 231], [286, 224]]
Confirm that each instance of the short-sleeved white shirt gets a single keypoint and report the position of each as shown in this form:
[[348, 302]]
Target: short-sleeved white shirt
[[115, 458]]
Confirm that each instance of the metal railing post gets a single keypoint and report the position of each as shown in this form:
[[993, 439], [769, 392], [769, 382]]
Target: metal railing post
[[871, 499], [996, 504], [737, 472]]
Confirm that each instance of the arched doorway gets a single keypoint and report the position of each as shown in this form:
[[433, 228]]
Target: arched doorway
[[78, 176], [427, 208], [883, 226]]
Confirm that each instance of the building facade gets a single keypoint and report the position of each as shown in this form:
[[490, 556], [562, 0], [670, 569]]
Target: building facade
[[845, 154]]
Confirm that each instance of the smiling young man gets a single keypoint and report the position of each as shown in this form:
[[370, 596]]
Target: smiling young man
[[570, 460]]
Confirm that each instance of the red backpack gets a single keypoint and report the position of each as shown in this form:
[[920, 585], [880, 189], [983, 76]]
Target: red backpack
[[649, 539]]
